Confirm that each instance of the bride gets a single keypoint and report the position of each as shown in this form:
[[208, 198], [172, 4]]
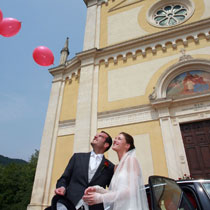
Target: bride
[[126, 190]]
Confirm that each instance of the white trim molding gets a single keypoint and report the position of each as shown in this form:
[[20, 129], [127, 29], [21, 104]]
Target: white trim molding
[[66, 128], [126, 116]]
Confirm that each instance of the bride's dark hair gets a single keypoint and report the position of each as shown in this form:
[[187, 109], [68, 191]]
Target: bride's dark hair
[[129, 140]]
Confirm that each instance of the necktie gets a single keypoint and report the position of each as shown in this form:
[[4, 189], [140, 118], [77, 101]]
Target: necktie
[[93, 166]]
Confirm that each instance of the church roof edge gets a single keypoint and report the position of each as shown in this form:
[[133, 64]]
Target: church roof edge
[[92, 2], [85, 1]]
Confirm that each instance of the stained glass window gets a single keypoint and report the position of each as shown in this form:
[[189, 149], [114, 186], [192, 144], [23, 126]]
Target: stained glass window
[[170, 15]]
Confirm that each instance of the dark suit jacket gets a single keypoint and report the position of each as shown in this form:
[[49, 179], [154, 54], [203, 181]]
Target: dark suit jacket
[[75, 177]]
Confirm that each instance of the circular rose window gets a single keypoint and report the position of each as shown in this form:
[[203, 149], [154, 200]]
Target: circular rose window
[[170, 13]]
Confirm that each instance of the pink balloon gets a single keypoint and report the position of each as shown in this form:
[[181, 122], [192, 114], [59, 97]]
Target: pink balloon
[[43, 56], [1, 15], [9, 27]]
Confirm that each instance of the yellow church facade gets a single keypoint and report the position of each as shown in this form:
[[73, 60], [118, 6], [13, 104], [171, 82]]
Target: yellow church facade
[[144, 70]]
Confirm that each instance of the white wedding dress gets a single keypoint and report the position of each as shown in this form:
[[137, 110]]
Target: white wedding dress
[[126, 190]]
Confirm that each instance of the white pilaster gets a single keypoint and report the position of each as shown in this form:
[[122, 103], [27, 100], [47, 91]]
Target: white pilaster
[[46, 154], [84, 106], [94, 120], [184, 168], [98, 21], [169, 142], [91, 25], [52, 153]]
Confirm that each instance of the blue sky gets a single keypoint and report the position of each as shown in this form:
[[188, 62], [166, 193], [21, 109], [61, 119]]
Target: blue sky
[[24, 85]]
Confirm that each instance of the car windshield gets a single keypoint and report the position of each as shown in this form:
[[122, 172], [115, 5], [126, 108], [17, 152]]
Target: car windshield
[[167, 195]]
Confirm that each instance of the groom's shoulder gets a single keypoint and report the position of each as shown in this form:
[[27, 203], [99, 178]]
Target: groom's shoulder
[[81, 155], [109, 163]]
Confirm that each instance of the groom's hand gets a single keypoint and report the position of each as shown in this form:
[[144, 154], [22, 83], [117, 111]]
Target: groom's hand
[[60, 191]]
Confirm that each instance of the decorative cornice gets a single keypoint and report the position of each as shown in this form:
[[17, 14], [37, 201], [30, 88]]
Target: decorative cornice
[[63, 67], [193, 98], [184, 100], [160, 103], [66, 127], [138, 114], [74, 65], [87, 57], [87, 53], [124, 111], [66, 123], [66, 71], [142, 44], [191, 112], [126, 116]]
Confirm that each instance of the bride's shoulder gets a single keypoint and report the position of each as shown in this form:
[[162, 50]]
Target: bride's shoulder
[[132, 159], [115, 167]]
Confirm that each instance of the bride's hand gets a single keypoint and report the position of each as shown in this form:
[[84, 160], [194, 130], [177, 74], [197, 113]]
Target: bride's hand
[[92, 198], [89, 190]]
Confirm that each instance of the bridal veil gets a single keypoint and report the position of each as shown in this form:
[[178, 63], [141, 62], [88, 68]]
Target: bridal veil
[[126, 190]]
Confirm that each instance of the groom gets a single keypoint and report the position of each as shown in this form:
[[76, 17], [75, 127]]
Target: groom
[[82, 171]]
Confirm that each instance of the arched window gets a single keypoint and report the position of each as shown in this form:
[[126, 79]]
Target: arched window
[[183, 79]]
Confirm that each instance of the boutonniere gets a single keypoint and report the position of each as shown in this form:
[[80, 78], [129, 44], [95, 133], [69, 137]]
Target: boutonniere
[[106, 164]]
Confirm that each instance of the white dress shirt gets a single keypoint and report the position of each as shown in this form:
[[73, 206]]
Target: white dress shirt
[[95, 160]]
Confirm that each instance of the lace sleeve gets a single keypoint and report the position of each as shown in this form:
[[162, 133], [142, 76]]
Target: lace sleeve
[[100, 189]]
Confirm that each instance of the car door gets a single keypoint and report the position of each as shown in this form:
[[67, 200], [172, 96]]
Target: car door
[[167, 195]]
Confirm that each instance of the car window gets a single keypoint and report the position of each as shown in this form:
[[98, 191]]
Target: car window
[[167, 195], [191, 197], [207, 188]]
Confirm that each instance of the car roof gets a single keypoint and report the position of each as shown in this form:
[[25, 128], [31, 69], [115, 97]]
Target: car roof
[[193, 181]]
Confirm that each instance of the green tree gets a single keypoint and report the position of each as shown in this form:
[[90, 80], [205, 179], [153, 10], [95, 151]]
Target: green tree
[[16, 181]]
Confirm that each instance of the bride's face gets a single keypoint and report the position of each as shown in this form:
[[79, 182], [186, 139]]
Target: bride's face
[[120, 144]]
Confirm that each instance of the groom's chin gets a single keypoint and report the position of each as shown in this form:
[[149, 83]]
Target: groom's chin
[[92, 144]]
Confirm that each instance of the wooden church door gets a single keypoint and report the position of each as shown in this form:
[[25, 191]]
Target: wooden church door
[[196, 138]]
